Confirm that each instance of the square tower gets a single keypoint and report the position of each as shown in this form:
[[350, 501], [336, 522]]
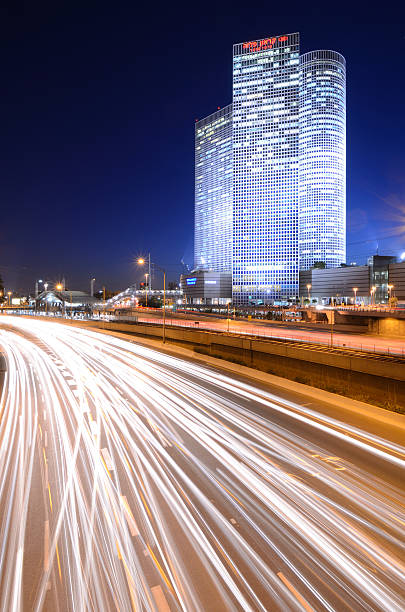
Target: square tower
[[265, 169]]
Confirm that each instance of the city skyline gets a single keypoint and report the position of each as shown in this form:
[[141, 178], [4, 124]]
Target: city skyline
[[82, 143], [270, 170]]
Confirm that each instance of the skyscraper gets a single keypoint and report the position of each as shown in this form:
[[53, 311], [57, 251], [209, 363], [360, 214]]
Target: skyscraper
[[213, 192], [265, 145], [322, 159], [270, 194]]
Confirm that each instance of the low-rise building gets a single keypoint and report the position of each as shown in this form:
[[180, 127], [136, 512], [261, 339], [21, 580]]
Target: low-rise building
[[206, 288], [64, 301], [375, 282]]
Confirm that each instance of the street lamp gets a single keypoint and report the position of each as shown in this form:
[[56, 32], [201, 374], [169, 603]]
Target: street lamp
[[355, 290], [309, 295], [146, 287], [9, 293], [141, 261], [390, 288], [372, 293]]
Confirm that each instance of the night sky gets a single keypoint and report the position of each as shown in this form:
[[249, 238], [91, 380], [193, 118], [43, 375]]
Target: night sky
[[98, 104]]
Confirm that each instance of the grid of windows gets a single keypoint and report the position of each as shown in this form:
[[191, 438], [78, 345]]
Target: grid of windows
[[265, 159], [213, 192], [270, 175], [322, 159]]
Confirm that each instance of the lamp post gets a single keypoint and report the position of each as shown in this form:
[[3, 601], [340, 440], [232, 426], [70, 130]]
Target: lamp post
[[59, 287], [141, 262], [146, 286], [46, 301], [309, 295], [9, 293], [355, 290], [390, 288], [37, 287], [372, 293]]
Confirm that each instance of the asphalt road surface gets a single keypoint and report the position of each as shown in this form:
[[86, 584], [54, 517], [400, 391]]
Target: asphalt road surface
[[134, 480]]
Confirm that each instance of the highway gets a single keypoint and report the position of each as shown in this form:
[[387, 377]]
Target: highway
[[131, 479]]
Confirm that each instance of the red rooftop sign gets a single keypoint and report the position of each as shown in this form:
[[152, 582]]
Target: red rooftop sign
[[265, 43]]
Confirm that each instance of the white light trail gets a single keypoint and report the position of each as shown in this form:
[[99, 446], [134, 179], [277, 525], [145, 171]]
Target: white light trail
[[133, 480]]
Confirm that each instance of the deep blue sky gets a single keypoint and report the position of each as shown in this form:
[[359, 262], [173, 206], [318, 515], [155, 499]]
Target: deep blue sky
[[98, 103]]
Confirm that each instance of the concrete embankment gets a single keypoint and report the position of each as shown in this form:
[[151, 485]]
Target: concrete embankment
[[375, 379]]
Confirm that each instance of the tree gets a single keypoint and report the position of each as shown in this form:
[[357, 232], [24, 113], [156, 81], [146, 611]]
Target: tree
[[319, 265]]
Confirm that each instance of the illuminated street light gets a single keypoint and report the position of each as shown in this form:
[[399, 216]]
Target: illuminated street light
[[355, 290], [9, 293], [37, 287], [372, 293], [59, 287], [141, 261], [309, 295]]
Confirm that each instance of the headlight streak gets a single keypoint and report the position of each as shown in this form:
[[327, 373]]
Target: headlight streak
[[190, 449]]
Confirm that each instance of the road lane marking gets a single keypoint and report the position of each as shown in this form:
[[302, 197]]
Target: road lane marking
[[50, 497], [294, 591], [59, 569], [107, 459], [129, 516], [160, 569], [46, 546], [232, 520], [160, 599]]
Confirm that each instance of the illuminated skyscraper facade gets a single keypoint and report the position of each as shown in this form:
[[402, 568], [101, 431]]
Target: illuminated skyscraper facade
[[213, 192], [322, 159], [265, 144], [270, 170]]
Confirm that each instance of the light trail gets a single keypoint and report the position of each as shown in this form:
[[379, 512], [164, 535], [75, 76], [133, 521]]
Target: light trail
[[134, 480]]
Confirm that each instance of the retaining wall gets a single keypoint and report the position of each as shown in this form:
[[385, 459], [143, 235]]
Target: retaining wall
[[378, 380]]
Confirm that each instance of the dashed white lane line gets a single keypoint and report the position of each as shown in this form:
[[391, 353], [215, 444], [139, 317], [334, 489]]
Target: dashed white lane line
[[107, 458], [160, 599]]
